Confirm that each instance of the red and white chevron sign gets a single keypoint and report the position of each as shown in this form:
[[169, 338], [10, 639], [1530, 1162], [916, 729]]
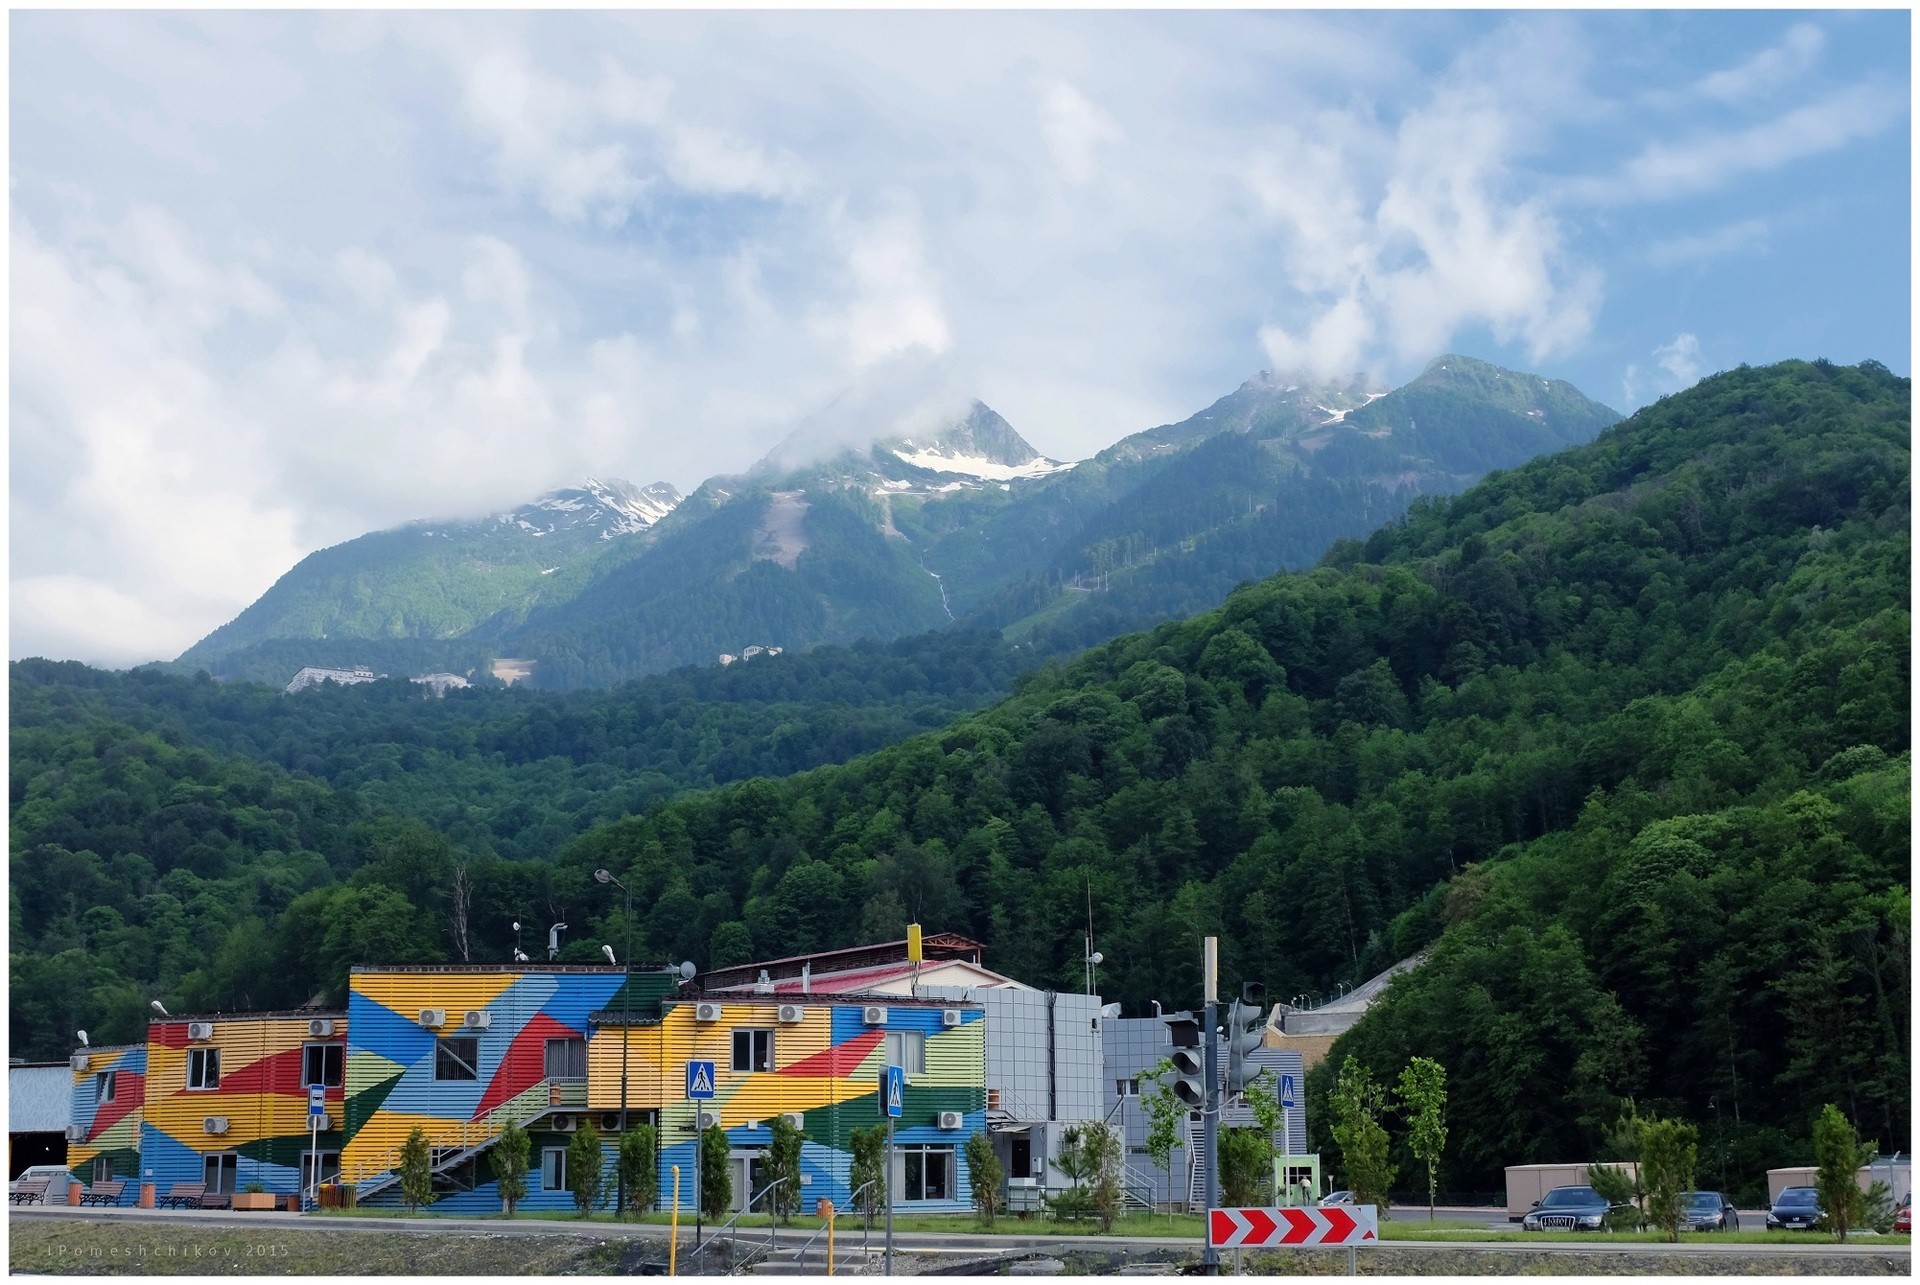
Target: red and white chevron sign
[[1334, 1225]]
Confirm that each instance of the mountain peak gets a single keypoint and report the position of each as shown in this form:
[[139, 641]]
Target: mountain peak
[[615, 505], [983, 445]]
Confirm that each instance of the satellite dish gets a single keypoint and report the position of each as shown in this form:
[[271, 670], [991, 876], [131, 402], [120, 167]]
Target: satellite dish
[[687, 970]]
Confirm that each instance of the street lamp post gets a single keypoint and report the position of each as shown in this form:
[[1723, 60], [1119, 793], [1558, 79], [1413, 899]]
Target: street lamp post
[[626, 1014]]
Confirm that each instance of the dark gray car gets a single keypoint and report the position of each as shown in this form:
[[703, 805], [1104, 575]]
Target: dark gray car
[[1568, 1209], [1795, 1209], [1708, 1211]]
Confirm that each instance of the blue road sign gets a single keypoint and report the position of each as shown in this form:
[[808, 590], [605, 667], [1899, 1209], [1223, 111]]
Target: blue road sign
[[893, 1091], [316, 1099], [1286, 1090], [700, 1079]]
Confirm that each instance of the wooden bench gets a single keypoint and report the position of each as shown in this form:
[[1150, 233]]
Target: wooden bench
[[29, 1191], [217, 1200], [182, 1195], [103, 1193]]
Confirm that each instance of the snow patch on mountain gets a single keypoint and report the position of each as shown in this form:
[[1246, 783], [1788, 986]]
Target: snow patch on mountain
[[614, 506], [935, 460]]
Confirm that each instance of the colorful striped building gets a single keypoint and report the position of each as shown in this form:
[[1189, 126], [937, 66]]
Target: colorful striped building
[[227, 1100], [109, 1098], [460, 1051]]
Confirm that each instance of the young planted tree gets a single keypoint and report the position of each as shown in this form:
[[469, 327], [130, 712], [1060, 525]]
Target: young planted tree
[[639, 1166], [416, 1170], [1262, 1096], [1246, 1158], [1839, 1153], [1626, 1194], [1357, 1102], [511, 1154], [1423, 1101], [716, 1172], [984, 1174], [783, 1167], [1079, 1159], [585, 1165], [1164, 1114], [1106, 1194], [867, 1177], [1669, 1156]]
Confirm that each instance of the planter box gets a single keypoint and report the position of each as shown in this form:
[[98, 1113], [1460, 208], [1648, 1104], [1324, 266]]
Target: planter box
[[253, 1199]]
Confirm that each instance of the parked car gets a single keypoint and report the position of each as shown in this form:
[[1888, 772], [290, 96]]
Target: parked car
[[1795, 1209], [1338, 1198], [1708, 1211], [1903, 1220], [1568, 1209]]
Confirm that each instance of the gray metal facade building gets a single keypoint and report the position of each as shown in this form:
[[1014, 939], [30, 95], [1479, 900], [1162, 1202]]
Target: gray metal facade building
[[1043, 1075], [1132, 1047]]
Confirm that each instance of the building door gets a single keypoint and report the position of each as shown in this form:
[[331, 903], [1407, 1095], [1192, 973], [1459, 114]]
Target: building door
[[749, 1178], [1020, 1156]]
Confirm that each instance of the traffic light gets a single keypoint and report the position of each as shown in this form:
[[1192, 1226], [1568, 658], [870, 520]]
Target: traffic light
[[1246, 1029], [1189, 1063]]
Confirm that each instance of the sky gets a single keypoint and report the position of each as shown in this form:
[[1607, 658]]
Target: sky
[[279, 279]]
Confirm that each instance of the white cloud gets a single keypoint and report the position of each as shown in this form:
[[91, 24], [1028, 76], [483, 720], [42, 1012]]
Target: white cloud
[[1400, 236], [1710, 159], [1795, 55], [895, 303], [1679, 363], [1720, 242], [1076, 130]]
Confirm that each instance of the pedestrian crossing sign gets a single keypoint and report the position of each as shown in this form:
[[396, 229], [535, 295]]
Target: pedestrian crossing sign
[[700, 1079], [893, 1091]]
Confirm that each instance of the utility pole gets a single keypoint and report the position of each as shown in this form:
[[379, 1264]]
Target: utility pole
[[1210, 1115]]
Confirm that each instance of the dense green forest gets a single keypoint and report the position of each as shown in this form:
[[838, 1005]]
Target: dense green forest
[[516, 773], [1621, 735]]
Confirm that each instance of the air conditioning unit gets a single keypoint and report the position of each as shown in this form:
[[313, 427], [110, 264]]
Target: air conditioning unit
[[214, 1124], [433, 1017], [792, 1013], [949, 1017], [706, 1012], [79, 1061], [320, 1027], [709, 1119], [565, 1124], [199, 1030], [326, 1122], [797, 1119], [951, 1119], [874, 1015], [609, 1121], [76, 1133], [478, 1019]]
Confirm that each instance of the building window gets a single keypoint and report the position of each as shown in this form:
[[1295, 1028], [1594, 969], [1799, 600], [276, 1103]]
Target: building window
[[103, 1169], [753, 1050], [105, 1085], [928, 1173], [567, 1059], [456, 1057], [553, 1169], [908, 1051], [323, 1064], [328, 1164], [1127, 1088], [219, 1171], [203, 1068]]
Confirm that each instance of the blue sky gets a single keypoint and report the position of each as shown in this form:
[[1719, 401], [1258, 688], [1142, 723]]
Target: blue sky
[[282, 278]]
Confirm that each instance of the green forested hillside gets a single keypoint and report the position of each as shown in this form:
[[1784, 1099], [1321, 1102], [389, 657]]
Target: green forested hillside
[[517, 772], [1620, 734], [1703, 614]]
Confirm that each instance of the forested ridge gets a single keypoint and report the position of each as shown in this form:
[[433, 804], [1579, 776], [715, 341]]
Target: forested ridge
[[1620, 734]]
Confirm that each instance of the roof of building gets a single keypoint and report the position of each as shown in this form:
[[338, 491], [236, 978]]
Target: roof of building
[[934, 946], [614, 1017], [39, 1098], [525, 967], [875, 980]]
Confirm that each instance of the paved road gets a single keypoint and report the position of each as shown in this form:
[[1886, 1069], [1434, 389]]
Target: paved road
[[954, 1243]]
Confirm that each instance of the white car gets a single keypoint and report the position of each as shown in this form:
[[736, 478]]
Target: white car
[[1338, 1198]]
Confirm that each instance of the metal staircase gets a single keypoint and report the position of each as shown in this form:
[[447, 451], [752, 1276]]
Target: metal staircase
[[451, 1147]]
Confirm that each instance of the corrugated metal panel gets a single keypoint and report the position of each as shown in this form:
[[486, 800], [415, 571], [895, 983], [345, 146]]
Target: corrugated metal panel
[[39, 1099], [957, 1058]]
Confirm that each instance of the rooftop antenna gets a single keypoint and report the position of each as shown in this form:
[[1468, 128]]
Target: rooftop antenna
[[553, 941], [1094, 957], [687, 970]]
